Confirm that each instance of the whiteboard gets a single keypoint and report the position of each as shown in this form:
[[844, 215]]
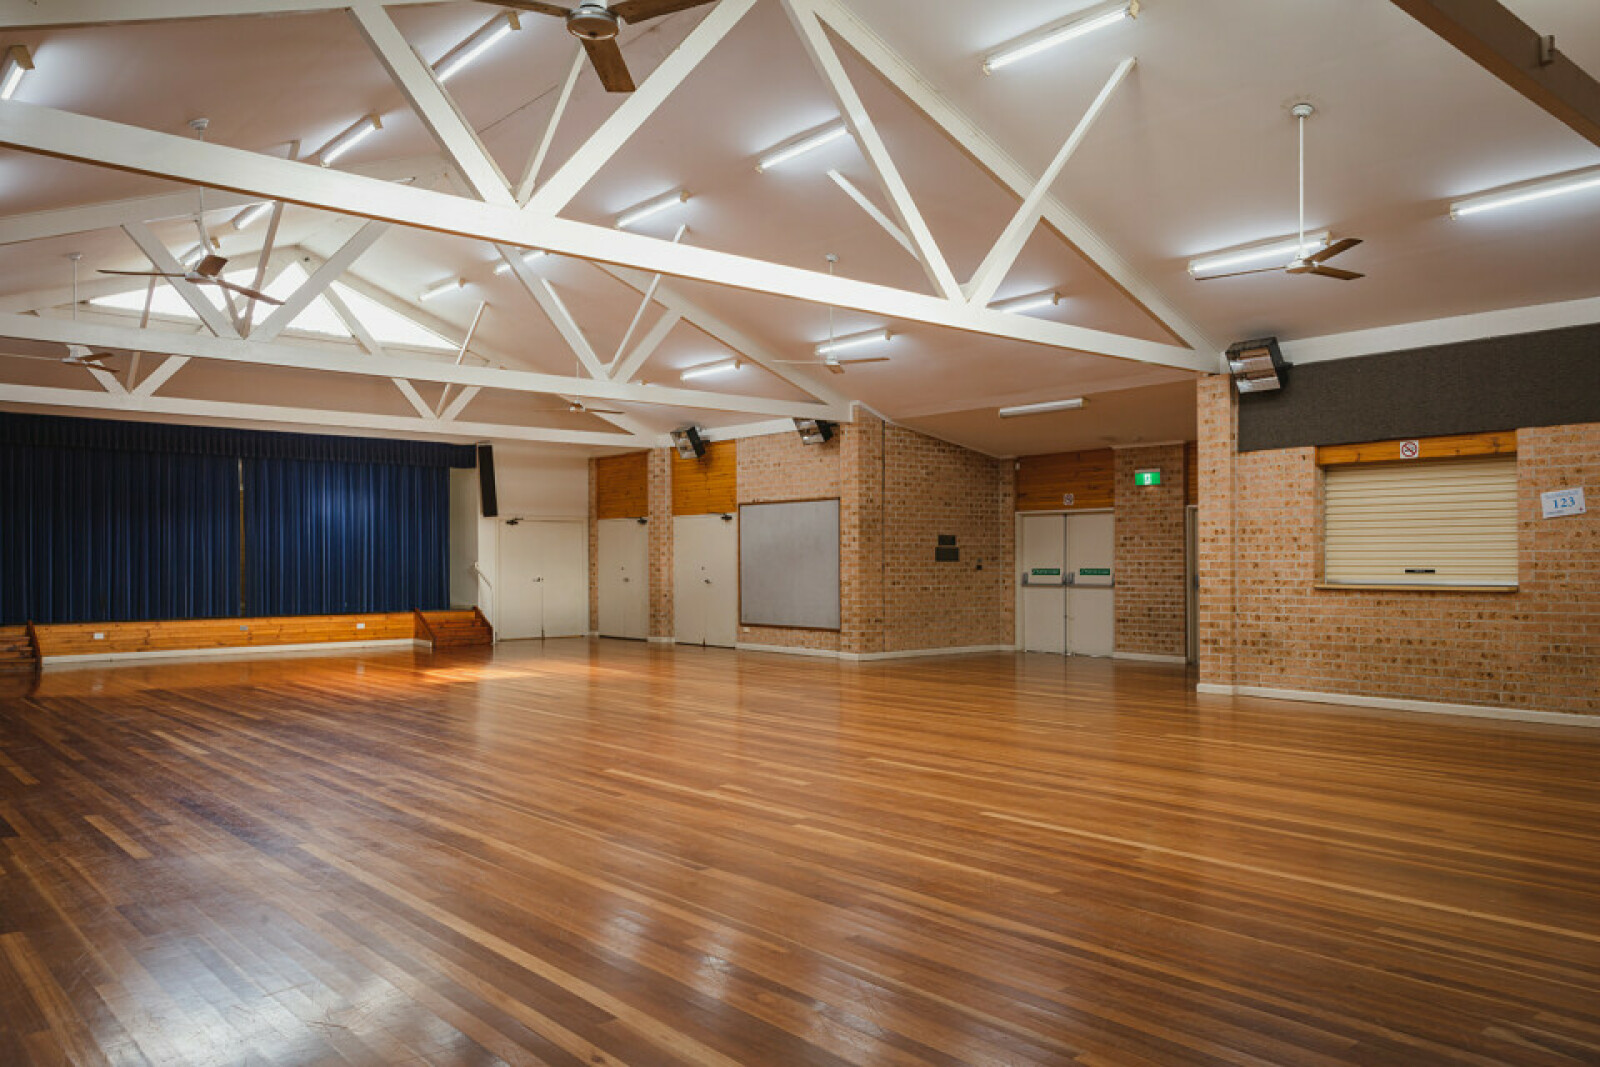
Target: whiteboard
[[789, 564]]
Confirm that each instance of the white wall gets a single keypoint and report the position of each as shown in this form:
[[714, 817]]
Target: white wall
[[464, 534], [532, 482]]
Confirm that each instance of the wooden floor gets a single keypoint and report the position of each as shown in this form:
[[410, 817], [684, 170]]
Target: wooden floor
[[608, 853]]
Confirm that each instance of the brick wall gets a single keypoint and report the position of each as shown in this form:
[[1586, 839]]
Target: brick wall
[[660, 482], [1536, 649], [1149, 560], [594, 547]]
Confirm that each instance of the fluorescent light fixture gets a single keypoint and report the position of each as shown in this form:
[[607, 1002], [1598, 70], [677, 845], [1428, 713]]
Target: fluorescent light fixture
[[1060, 33], [651, 207], [1282, 250], [855, 340], [467, 52], [1041, 407], [1032, 302], [707, 370], [449, 285], [252, 215], [503, 268], [364, 127], [803, 144], [17, 64], [1575, 182], [192, 256]]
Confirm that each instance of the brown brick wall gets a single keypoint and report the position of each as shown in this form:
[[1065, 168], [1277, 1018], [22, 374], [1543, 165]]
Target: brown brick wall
[[661, 618], [1149, 552], [1536, 649]]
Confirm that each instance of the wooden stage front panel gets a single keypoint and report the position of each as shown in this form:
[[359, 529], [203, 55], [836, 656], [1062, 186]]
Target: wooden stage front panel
[[605, 852]]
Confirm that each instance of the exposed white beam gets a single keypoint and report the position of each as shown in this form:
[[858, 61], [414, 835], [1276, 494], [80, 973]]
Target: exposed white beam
[[364, 338], [639, 105], [259, 282], [319, 281], [644, 305], [459, 404], [31, 14], [625, 371], [303, 357], [432, 104], [988, 154], [874, 212], [160, 376], [998, 263], [58, 133], [225, 409], [530, 173], [555, 310], [163, 260], [804, 16]]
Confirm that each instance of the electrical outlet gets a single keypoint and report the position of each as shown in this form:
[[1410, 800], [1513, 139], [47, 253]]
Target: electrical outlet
[[99, 637], [361, 626]]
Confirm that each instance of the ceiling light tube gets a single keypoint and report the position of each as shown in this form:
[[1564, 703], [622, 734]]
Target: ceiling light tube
[[1280, 249], [1032, 302], [364, 127], [1041, 408], [449, 285], [1526, 192], [503, 268], [801, 145], [651, 207], [252, 215], [1060, 33], [192, 256], [467, 52], [17, 64], [707, 370], [855, 340]]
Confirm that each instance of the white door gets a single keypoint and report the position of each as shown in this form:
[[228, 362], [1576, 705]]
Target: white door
[[622, 564], [543, 588], [1042, 555], [1091, 604], [705, 580]]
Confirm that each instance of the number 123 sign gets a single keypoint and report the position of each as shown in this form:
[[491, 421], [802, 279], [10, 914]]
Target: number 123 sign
[[1561, 502]]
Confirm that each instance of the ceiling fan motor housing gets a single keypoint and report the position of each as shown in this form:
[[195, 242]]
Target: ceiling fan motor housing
[[592, 22]]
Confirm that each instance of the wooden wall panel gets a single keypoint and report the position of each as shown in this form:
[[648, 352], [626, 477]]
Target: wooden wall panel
[[1191, 472], [1043, 481], [1466, 444], [708, 485], [622, 486], [172, 635]]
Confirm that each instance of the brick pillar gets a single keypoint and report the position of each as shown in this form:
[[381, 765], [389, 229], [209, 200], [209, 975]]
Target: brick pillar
[[1218, 411], [1149, 552], [594, 550], [660, 485], [862, 625]]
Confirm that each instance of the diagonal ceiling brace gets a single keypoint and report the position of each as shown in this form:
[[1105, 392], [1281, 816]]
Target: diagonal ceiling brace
[[530, 173], [320, 281], [163, 260]]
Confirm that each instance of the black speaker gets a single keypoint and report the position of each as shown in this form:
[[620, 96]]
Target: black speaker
[[688, 442], [486, 494]]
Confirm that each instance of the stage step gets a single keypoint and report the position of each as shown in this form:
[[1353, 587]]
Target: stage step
[[16, 651], [458, 629]]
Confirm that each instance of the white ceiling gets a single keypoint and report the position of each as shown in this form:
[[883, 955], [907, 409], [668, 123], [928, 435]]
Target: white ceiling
[[1195, 152]]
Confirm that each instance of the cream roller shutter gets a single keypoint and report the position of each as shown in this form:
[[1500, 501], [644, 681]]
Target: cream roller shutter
[[1425, 522]]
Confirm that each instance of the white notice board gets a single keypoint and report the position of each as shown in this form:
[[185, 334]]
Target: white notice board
[[789, 564]]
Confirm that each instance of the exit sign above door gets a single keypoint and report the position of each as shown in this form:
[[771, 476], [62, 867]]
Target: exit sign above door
[[1147, 477]]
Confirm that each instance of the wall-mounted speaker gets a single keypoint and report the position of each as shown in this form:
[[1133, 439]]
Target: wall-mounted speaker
[[688, 442], [815, 431], [486, 493]]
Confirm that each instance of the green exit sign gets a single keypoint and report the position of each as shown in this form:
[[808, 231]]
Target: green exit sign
[[1146, 477]]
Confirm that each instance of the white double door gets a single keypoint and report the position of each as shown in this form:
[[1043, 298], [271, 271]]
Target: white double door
[[622, 564], [1067, 600], [705, 580], [542, 587]]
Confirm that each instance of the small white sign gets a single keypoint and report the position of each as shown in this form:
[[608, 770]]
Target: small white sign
[[1068, 499], [1410, 450], [1562, 502]]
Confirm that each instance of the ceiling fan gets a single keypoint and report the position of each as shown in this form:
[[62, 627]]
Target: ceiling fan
[[583, 409], [833, 363], [1316, 262], [207, 272], [595, 24], [77, 356]]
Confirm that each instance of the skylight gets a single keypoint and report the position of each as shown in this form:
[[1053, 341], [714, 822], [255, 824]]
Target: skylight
[[319, 318]]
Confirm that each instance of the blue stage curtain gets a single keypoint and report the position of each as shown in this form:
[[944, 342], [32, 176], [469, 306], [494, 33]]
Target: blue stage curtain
[[328, 538], [94, 535]]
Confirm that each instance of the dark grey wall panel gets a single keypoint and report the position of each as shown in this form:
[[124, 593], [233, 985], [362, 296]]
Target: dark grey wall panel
[[1502, 383]]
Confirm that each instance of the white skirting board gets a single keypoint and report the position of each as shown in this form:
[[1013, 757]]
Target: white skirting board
[[1476, 711], [828, 653], [317, 647], [1150, 657], [662, 640]]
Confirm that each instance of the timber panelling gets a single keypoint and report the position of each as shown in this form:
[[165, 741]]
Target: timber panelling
[[1455, 445], [1044, 481], [622, 488], [708, 485], [175, 635]]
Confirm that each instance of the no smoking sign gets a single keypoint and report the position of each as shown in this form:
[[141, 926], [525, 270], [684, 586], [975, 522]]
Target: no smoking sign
[[1410, 450]]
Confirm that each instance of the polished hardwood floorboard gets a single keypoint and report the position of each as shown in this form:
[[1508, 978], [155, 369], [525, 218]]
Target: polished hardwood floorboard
[[600, 852]]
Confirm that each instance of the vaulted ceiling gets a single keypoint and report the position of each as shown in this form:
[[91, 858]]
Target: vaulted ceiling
[[1193, 150]]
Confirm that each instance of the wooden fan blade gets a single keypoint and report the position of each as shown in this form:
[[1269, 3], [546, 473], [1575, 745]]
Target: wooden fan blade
[[1335, 272], [1237, 273], [862, 359], [534, 5], [211, 266], [608, 63], [639, 10], [601, 411], [251, 293], [1334, 249], [143, 273]]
